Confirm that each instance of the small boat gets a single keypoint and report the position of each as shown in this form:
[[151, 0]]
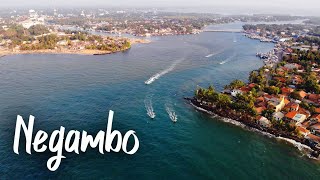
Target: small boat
[[151, 114], [209, 55], [172, 115], [149, 81]]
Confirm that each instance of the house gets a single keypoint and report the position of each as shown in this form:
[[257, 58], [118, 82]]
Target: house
[[245, 89], [296, 117], [303, 131], [235, 92], [314, 98], [292, 66], [259, 99], [263, 121], [315, 129], [259, 110], [260, 102], [251, 85], [317, 110], [62, 43], [296, 79], [313, 138], [278, 116], [292, 106], [280, 79], [304, 111], [302, 94], [306, 124], [315, 119], [286, 91], [277, 104]]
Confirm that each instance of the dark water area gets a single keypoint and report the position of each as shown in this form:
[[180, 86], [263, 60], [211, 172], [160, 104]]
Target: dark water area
[[77, 92]]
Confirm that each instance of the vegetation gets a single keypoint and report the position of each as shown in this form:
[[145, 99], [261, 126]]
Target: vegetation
[[38, 30], [242, 102], [37, 38]]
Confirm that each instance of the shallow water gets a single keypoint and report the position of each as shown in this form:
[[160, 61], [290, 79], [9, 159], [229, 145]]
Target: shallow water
[[77, 92]]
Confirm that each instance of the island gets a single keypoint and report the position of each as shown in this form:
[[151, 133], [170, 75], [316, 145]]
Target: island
[[282, 98]]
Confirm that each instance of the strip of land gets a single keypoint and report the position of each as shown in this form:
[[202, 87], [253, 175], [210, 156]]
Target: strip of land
[[282, 97]]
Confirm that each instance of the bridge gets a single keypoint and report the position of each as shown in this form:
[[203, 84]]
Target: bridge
[[224, 30]]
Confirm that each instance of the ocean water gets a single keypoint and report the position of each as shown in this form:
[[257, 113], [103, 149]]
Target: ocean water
[[77, 92]]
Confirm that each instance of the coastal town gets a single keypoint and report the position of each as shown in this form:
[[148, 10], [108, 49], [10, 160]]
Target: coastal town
[[100, 31], [282, 97], [35, 35]]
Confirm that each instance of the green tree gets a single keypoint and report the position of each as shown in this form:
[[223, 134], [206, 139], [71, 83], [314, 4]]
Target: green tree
[[235, 84], [223, 100]]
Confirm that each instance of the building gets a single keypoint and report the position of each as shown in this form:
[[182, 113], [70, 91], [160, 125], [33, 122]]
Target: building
[[295, 117], [235, 92], [278, 116], [277, 104], [292, 106], [263, 121], [62, 43], [315, 119], [286, 91], [303, 131], [315, 129], [259, 110]]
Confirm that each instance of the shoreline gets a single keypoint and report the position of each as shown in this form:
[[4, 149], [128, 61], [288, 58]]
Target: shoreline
[[7, 52], [311, 152]]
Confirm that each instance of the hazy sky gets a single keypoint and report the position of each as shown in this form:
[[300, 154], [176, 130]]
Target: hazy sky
[[307, 7]]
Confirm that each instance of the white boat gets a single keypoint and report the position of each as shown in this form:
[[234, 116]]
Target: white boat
[[209, 55], [151, 114], [149, 81]]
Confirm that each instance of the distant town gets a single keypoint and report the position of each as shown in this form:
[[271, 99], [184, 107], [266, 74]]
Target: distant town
[[101, 31]]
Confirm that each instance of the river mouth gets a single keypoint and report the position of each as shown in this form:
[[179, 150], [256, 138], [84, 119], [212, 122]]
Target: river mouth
[[78, 91]]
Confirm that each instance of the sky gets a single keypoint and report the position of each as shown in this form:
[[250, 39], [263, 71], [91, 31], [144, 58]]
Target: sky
[[293, 7]]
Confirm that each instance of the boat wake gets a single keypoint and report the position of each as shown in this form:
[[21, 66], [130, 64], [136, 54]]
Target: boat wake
[[223, 62], [149, 108], [213, 54], [227, 60], [158, 75], [171, 114], [210, 55]]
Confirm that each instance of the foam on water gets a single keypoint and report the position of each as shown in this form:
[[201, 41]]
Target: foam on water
[[301, 147], [149, 108], [227, 60], [210, 55], [158, 75]]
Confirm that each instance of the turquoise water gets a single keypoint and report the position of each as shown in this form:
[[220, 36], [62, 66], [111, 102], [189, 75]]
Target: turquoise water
[[77, 92]]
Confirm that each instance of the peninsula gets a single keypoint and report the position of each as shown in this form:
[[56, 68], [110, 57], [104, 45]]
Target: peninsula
[[39, 39], [281, 98]]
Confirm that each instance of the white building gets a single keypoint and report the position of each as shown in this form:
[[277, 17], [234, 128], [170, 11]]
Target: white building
[[235, 92], [278, 116], [264, 122]]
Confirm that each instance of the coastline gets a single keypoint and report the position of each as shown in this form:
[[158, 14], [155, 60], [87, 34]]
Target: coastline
[[241, 121], [7, 52]]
